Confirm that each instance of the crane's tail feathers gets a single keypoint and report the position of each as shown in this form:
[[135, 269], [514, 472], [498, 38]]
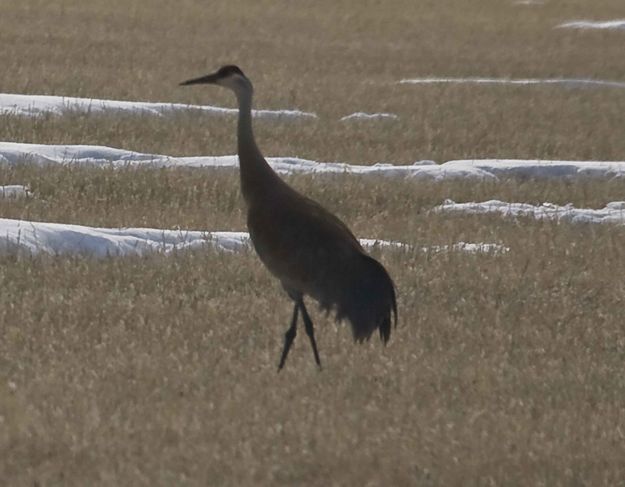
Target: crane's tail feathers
[[369, 300]]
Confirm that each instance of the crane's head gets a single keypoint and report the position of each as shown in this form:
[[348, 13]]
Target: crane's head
[[227, 76]]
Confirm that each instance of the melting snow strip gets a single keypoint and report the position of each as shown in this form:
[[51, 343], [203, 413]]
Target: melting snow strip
[[15, 153], [469, 248], [568, 82], [543, 169], [65, 239], [14, 191], [12, 153], [361, 116], [612, 213], [32, 105], [57, 238], [592, 24]]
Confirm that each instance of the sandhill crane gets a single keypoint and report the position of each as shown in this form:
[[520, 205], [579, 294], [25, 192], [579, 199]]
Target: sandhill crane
[[305, 246]]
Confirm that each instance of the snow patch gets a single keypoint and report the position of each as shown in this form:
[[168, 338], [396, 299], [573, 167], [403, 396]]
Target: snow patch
[[613, 212], [469, 248], [65, 239], [12, 153], [543, 169], [593, 24], [15, 153], [32, 105], [56, 238], [361, 116], [568, 82], [14, 191]]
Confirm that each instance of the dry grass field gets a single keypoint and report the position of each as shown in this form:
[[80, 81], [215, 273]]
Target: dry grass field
[[504, 370]]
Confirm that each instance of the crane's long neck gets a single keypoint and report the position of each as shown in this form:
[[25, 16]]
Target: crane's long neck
[[256, 175]]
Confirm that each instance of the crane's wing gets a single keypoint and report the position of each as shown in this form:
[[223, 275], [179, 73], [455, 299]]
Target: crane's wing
[[300, 241], [313, 252]]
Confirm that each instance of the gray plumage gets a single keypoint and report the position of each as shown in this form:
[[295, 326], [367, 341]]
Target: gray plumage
[[305, 246]]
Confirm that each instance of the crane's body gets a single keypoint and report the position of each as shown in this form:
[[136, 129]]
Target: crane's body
[[305, 246]]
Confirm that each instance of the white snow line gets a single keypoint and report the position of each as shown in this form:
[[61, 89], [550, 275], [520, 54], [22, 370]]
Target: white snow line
[[465, 247], [12, 153], [361, 116], [613, 212], [543, 169], [57, 239], [14, 191], [469, 248], [529, 2], [32, 105], [64, 239], [594, 25], [568, 82]]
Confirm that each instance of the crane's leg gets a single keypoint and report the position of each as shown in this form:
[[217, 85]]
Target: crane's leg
[[289, 336], [310, 330]]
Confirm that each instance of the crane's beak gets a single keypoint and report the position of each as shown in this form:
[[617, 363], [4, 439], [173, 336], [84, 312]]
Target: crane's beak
[[210, 79]]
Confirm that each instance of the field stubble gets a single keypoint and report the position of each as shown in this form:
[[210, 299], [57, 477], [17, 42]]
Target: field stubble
[[505, 369]]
